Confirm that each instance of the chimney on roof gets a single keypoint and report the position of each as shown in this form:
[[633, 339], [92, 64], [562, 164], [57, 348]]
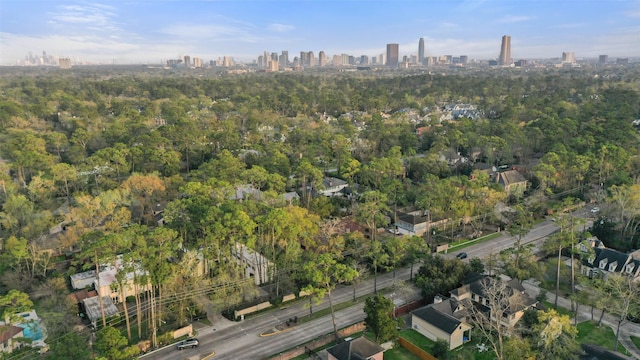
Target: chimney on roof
[[437, 299]]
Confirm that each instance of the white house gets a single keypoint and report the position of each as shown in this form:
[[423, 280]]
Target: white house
[[256, 266], [108, 285]]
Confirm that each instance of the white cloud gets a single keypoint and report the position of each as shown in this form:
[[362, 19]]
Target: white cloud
[[515, 19], [280, 27], [75, 18]]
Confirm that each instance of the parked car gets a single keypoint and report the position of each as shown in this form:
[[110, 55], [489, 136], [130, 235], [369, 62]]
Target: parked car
[[188, 343], [462, 255], [595, 210], [394, 231]]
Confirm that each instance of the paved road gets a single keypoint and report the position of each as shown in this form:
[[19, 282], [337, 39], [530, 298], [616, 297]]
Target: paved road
[[242, 340]]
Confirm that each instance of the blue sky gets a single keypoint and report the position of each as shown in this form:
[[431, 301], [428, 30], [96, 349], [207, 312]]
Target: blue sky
[[137, 31]]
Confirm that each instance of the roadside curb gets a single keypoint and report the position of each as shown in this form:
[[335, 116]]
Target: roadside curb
[[208, 356], [267, 333]]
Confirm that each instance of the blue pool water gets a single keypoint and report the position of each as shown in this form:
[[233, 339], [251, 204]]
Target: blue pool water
[[32, 330]]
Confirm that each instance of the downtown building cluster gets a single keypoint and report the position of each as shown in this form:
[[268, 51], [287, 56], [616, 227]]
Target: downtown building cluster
[[274, 61], [391, 58]]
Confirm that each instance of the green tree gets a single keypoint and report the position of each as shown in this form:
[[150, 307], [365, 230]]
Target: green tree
[[396, 248], [13, 303], [322, 275], [28, 153], [70, 346], [625, 295], [441, 349], [517, 348], [527, 266], [439, 275], [380, 319], [111, 344], [556, 338], [161, 244], [417, 249]]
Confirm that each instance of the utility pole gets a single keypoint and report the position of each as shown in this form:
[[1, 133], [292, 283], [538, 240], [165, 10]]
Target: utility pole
[[154, 340]]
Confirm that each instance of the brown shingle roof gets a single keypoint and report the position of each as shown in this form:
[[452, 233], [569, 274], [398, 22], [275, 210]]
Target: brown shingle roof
[[8, 332]]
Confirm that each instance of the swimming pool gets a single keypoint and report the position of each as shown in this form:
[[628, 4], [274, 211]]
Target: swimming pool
[[32, 330]]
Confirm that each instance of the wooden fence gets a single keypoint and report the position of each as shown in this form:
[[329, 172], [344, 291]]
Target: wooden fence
[[415, 350]]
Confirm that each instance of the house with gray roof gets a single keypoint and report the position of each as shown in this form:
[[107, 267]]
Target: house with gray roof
[[332, 186], [604, 262], [513, 181], [359, 348], [517, 298], [445, 319]]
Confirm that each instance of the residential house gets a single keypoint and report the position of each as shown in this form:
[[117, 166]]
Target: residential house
[[513, 181], [93, 311], [516, 302], [452, 157], [106, 284], [604, 262], [411, 223], [445, 319], [27, 328], [247, 191], [290, 197], [332, 186], [359, 348], [415, 222], [9, 336], [256, 265], [589, 244]]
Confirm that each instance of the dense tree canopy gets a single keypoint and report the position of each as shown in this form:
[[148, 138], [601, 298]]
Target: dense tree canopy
[[160, 166]]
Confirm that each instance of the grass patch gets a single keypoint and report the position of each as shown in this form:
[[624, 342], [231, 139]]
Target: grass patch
[[418, 340], [589, 333], [461, 244], [636, 340], [399, 353], [560, 310], [470, 350]]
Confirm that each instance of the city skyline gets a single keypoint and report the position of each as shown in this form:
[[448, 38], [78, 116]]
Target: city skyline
[[146, 31]]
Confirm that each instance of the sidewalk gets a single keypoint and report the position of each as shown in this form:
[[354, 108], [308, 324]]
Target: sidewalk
[[584, 314]]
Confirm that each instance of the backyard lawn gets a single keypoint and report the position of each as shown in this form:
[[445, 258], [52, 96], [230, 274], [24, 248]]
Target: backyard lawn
[[417, 339], [589, 333], [399, 353]]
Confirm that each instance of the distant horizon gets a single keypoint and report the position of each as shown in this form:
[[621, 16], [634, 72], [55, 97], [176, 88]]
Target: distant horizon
[[148, 31]]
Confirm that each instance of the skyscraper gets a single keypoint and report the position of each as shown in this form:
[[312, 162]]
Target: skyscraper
[[505, 51], [311, 58], [603, 59], [322, 59], [421, 51], [304, 58], [568, 57], [392, 54]]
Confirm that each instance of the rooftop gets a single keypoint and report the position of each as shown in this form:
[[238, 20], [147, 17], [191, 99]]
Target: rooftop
[[92, 307]]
